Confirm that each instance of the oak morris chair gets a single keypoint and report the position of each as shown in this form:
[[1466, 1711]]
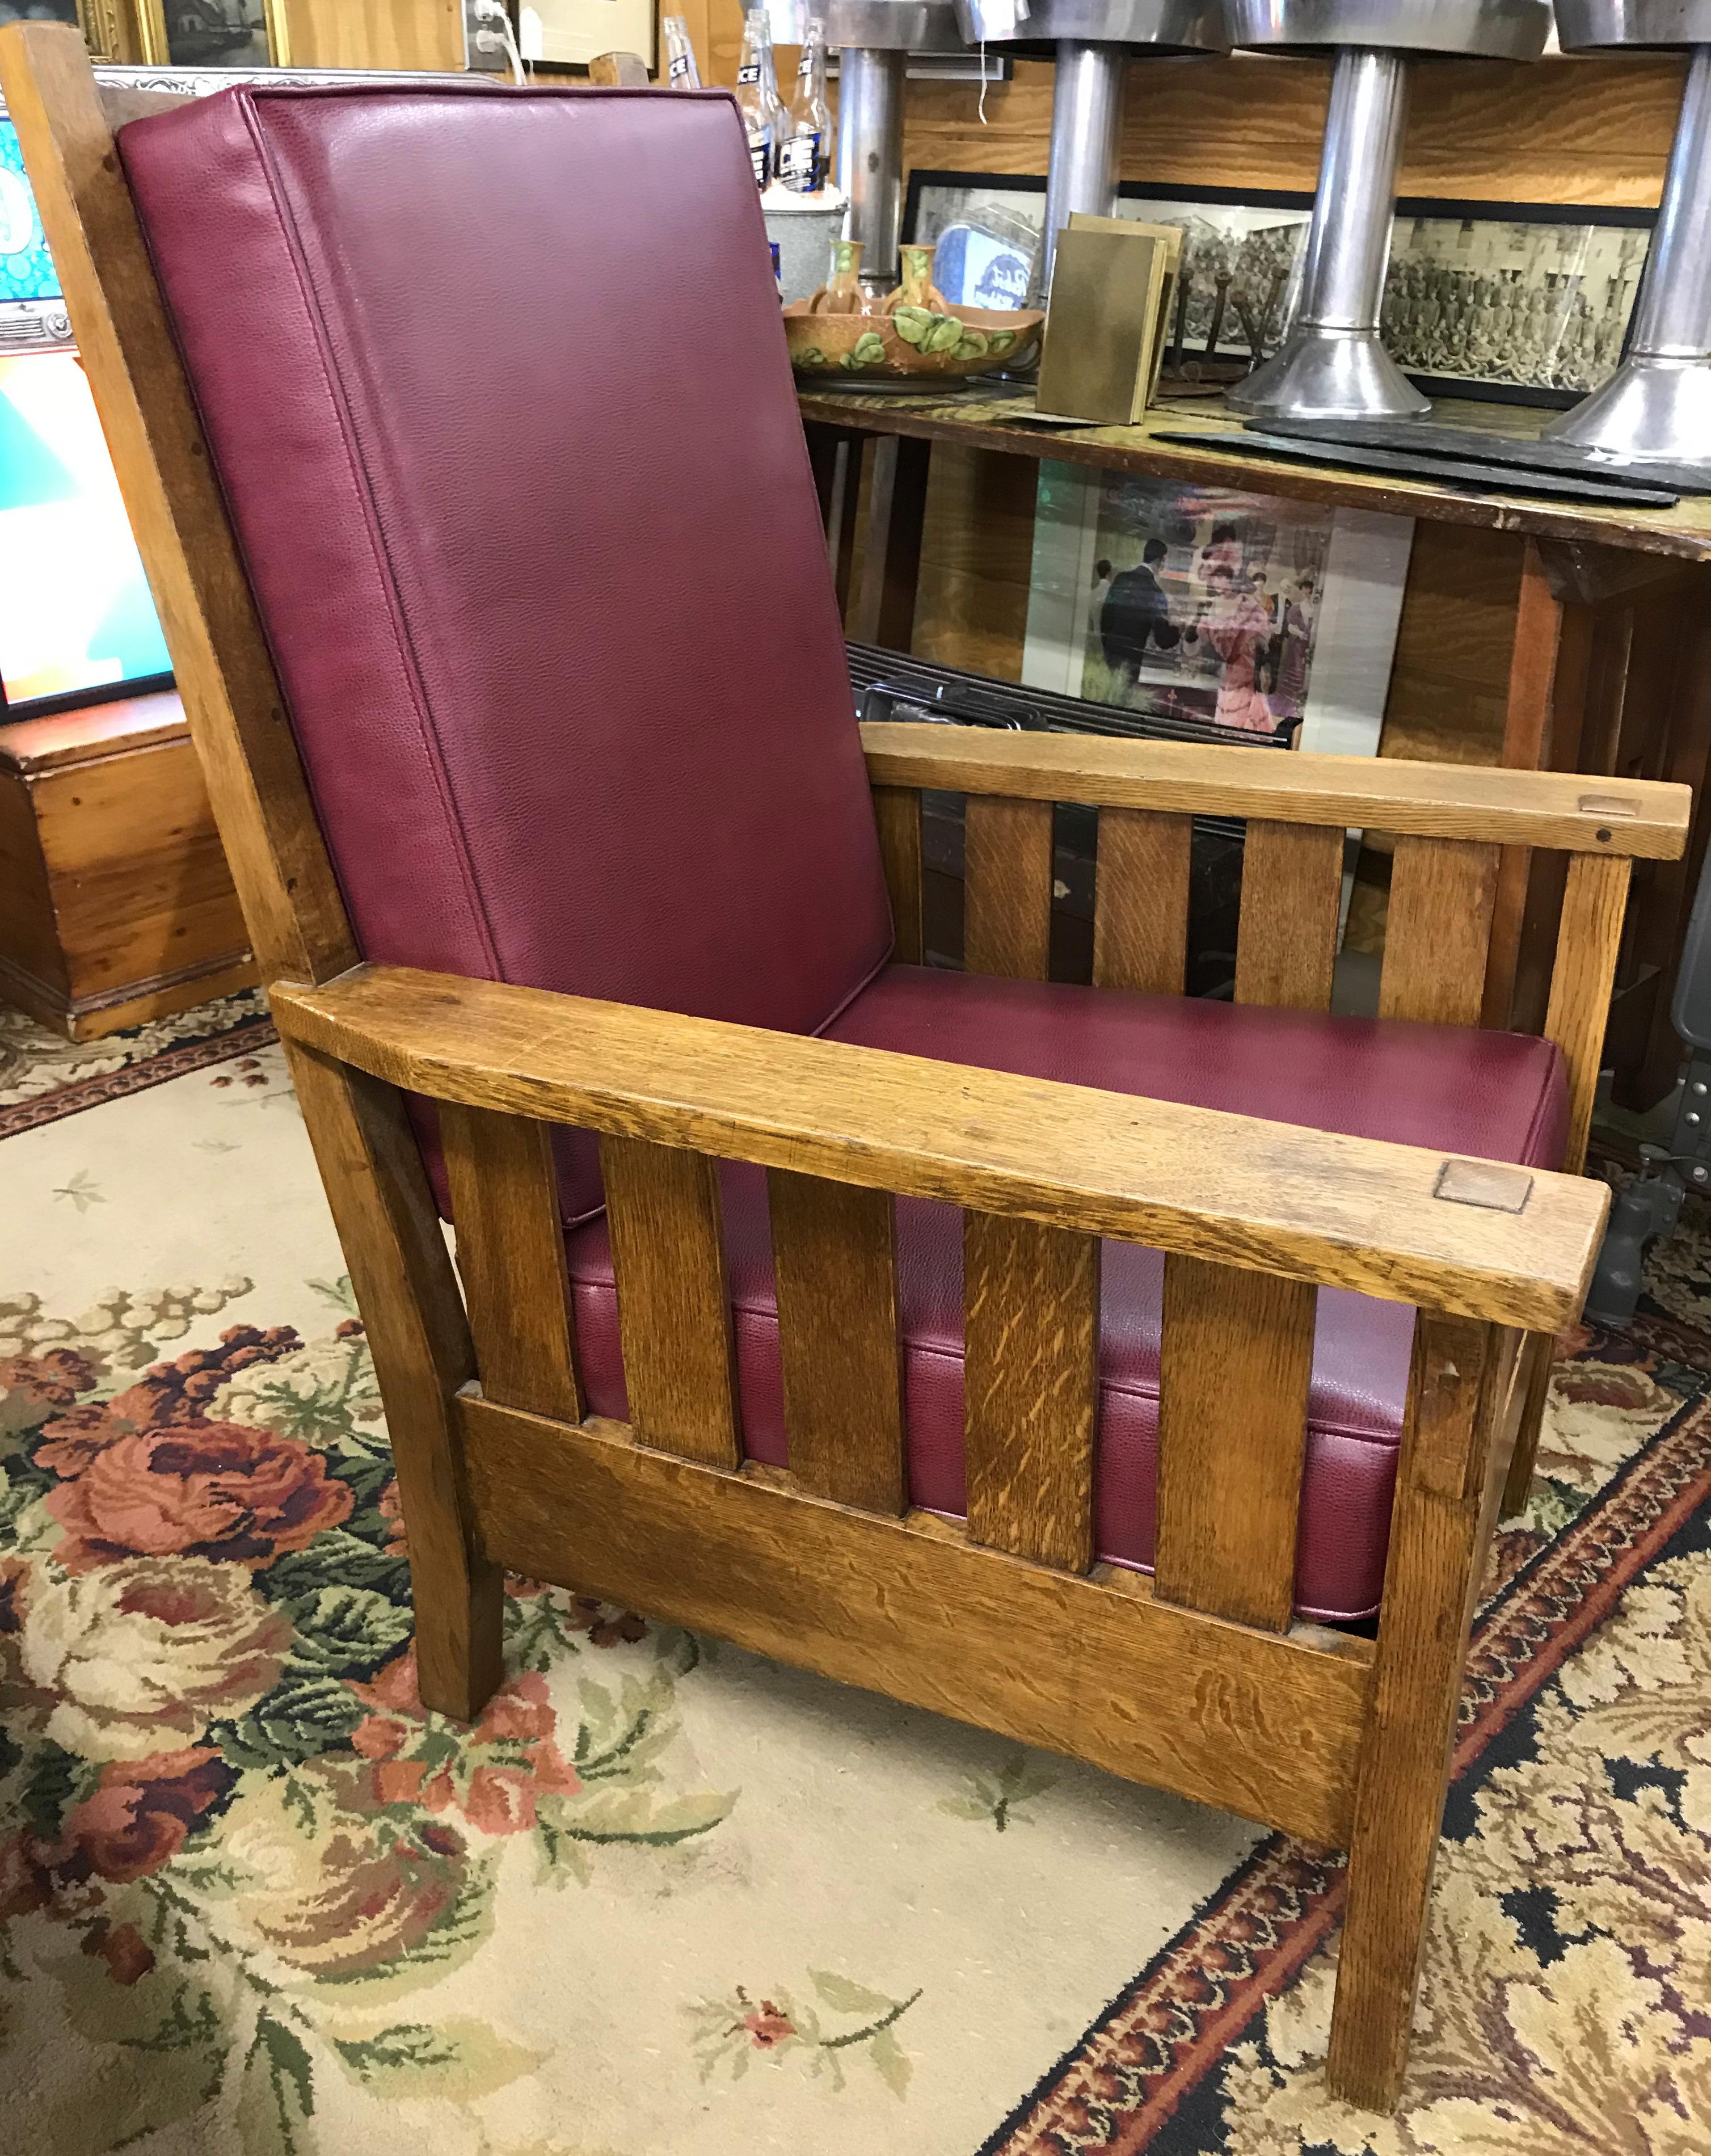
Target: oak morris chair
[[896, 1322]]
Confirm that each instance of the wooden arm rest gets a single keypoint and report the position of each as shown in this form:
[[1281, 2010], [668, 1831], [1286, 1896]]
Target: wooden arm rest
[[1338, 1212], [1643, 820]]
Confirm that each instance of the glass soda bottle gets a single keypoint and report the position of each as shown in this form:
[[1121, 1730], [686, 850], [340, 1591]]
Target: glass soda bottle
[[681, 72], [757, 94], [805, 149]]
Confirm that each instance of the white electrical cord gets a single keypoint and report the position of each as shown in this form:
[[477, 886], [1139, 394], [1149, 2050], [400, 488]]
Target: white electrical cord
[[496, 12]]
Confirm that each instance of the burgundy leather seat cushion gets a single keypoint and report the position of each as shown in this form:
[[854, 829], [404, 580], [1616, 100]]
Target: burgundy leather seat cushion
[[497, 392], [1499, 1096]]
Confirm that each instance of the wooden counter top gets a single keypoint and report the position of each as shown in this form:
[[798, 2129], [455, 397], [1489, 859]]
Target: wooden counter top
[[994, 418]]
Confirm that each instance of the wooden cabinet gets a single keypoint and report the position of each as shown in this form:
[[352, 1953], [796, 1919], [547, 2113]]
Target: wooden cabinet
[[115, 902]]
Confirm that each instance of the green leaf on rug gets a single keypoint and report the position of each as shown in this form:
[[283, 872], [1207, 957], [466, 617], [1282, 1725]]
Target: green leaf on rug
[[53, 1778], [276, 2092], [456, 2060], [335, 1558], [633, 1815], [893, 2062], [346, 1631], [845, 1996], [338, 1292], [300, 1718]]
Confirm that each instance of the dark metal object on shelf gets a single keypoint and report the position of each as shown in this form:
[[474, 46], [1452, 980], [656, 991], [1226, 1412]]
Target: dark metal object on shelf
[[1092, 42], [1334, 364], [890, 686], [1486, 477], [1479, 445], [1657, 406]]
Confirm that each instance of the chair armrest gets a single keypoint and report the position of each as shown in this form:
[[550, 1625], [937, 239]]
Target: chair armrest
[[1643, 820], [1307, 1205]]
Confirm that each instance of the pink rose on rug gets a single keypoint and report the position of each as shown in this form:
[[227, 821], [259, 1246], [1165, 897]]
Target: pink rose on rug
[[498, 1773], [768, 2025], [53, 1380], [167, 1396], [140, 1814], [215, 1490]]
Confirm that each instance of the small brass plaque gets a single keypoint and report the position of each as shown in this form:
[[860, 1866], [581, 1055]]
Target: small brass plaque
[[1486, 1182], [1607, 804]]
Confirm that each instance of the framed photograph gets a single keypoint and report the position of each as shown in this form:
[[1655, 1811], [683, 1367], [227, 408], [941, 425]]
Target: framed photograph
[[1217, 604], [213, 33], [1510, 302]]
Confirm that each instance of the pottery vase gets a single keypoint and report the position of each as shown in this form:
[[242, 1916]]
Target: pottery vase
[[842, 293], [917, 288]]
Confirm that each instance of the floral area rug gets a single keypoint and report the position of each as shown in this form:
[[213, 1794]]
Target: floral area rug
[[44, 1077], [669, 1897]]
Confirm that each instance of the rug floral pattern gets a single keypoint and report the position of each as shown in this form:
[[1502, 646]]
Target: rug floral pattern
[[665, 1897], [243, 1845]]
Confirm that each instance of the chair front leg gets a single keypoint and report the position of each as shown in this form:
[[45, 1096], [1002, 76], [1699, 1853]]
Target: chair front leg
[[1448, 1477], [419, 1337]]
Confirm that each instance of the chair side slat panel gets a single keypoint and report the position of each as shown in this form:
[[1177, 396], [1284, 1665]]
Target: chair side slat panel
[[1235, 1364], [1031, 1297], [1141, 903], [511, 1258], [1007, 868], [1437, 931], [834, 1254], [1292, 894], [673, 1311]]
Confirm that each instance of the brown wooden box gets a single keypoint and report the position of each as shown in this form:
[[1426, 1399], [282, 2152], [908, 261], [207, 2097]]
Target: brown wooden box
[[115, 902]]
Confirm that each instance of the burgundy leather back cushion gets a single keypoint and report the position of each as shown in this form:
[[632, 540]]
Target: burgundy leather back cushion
[[497, 392]]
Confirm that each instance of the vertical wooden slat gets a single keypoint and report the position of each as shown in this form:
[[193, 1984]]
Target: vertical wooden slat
[[883, 609], [1235, 1364], [1292, 894], [1031, 1297], [1549, 672], [1140, 905], [897, 810], [673, 1313], [1595, 904], [1440, 1529], [1007, 868], [1438, 930], [834, 1256], [512, 1255], [414, 1320]]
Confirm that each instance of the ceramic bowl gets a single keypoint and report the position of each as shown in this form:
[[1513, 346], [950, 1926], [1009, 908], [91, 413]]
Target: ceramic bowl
[[913, 341]]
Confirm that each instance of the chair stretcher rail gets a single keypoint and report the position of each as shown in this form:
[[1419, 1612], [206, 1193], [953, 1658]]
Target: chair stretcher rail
[[1306, 1204], [1642, 820]]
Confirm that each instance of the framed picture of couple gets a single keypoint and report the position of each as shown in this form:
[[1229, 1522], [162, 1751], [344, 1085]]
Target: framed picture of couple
[[1239, 610]]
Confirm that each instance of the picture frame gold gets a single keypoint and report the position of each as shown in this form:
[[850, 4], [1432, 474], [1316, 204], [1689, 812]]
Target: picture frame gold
[[103, 27], [168, 37]]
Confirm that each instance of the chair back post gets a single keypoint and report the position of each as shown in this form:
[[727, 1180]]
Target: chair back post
[[290, 898], [370, 1162]]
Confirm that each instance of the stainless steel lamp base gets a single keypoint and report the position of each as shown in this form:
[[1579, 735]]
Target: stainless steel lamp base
[[1651, 411], [1329, 374]]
